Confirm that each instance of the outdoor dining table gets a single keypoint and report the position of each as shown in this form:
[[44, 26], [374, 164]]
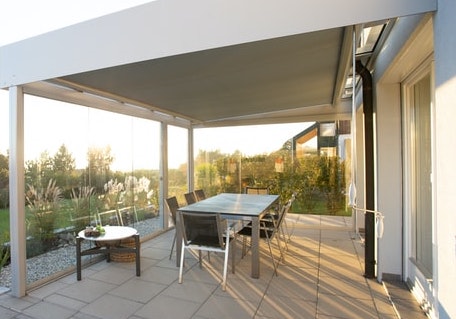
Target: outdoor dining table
[[234, 207], [107, 243]]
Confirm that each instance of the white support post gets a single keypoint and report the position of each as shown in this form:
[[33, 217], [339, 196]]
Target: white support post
[[17, 188], [190, 161], [163, 185]]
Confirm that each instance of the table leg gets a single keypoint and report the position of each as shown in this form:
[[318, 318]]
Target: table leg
[[78, 257], [178, 241], [255, 248], [138, 261]]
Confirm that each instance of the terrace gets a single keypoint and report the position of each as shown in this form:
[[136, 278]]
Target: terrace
[[321, 277]]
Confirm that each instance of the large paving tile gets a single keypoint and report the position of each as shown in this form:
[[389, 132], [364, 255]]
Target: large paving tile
[[9, 301], [154, 253], [342, 266], [246, 289], [6, 313], [45, 310], [66, 302], [337, 247], [343, 287], [165, 307], [190, 290], [297, 273], [112, 307], [160, 275], [114, 275], [285, 307], [87, 290], [138, 290], [345, 307], [227, 308], [289, 287], [47, 290]]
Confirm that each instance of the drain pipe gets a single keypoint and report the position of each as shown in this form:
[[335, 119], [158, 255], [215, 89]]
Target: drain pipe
[[369, 221]]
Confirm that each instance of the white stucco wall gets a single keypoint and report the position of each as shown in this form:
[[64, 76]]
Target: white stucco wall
[[445, 172], [389, 178], [392, 67]]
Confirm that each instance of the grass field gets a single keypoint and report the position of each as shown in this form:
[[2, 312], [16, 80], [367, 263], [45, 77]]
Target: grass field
[[4, 221], [319, 209]]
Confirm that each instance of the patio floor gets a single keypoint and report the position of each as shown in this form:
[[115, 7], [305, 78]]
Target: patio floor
[[321, 277]]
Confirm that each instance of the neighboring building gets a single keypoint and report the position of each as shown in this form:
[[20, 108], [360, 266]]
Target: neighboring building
[[232, 62], [327, 138]]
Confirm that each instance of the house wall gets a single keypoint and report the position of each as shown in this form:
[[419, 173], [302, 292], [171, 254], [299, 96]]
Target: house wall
[[398, 58], [389, 179], [445, 155], [414, 40]]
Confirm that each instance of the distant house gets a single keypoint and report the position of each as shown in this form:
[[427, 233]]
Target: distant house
[[325, 138]]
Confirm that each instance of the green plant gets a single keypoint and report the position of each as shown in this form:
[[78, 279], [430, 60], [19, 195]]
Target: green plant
[[81, 206], [331, 182], [43, 203], [4, 250]]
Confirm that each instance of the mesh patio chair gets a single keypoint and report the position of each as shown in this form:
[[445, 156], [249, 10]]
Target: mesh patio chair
[[190, 198], [285, 230], [206, 232], [173, 206], [200, 195], [270, 228]]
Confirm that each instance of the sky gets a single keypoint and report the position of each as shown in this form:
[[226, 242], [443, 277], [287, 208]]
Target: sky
[[21, 19]]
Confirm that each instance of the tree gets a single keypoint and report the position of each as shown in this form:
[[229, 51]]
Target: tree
[[63, 161], [99, 166], [63, 166], [39, 172]]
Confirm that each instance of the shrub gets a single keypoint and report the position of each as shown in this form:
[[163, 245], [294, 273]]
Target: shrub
[[43, 203]]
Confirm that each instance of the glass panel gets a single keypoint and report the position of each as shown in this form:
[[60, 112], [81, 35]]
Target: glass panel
[[81, 166], [177, 162], [145, 167], [285, 158], [423, 187], [4, 184]]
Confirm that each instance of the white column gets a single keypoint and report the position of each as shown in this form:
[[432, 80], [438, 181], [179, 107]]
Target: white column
[[164, 174], [17, 186], [190, 161]]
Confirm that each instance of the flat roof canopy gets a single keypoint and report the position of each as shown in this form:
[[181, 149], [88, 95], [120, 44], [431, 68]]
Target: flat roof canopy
[[205, 62]]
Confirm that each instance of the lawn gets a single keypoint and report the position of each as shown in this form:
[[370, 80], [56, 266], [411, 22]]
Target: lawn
[[319, 209], [4, 221]]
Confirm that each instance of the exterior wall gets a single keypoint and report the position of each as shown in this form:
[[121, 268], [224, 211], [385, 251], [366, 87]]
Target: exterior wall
[[445, 155], [406, 49], [389, 179], [398, 59]]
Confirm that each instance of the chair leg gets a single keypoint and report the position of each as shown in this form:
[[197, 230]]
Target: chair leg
[[282, 254], [200, 258], [272, 257], [225, 267], [233, 255], [286, 233], [181, 267], [172, 247]]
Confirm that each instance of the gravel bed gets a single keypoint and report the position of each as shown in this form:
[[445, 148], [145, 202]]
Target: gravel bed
[[63, 258]]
